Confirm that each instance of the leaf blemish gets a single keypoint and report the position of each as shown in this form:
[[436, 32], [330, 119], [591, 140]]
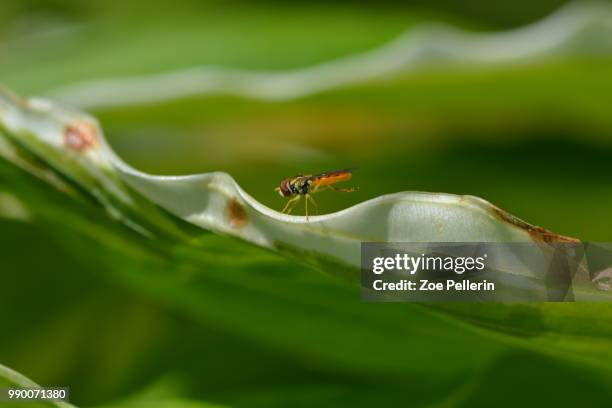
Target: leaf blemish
[[80, 136], [537, 233], [237, 213]]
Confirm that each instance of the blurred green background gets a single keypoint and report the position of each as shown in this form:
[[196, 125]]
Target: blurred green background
[[86, 304]]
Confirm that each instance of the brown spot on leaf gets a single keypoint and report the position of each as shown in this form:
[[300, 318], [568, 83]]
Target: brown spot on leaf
[[80, 136], [603, 279], [537, 233], [237, 213]]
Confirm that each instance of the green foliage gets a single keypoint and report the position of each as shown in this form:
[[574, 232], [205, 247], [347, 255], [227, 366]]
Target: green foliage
[[313, 322], [187, 318]]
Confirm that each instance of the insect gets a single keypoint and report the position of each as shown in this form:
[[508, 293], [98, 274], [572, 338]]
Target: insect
[[307, 184]]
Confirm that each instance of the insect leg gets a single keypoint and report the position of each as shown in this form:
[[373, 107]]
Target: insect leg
[[313, 202], [286, 206], [344, 190], [294, 202], [289, 206]]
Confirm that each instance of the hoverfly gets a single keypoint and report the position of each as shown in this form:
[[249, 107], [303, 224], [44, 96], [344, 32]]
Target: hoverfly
[[307, 184]]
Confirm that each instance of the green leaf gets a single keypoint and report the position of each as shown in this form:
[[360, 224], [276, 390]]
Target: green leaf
[[12, 378], [74, 145]]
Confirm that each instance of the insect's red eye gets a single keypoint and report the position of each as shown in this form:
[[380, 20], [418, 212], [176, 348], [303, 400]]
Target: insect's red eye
[[284, 188]]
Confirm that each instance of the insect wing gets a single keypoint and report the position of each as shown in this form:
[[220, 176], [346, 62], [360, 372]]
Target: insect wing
[[332, 177]]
